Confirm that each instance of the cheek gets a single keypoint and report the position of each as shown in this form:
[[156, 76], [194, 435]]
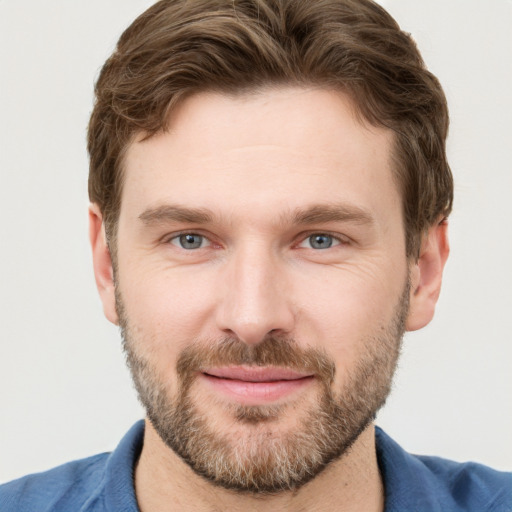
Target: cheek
[[346, 309], [166, 309]]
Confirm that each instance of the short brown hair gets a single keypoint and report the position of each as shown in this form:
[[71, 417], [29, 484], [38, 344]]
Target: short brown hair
[[181, 47]]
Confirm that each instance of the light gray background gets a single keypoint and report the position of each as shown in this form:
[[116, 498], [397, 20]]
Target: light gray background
[[64, 390]]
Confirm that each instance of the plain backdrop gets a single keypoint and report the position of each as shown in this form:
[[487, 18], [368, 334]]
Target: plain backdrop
[[64, 390]]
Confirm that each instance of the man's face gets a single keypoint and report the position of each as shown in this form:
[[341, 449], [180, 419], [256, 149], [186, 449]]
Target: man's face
[[262, 282]]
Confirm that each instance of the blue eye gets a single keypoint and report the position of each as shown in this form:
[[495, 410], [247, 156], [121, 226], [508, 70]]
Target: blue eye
[[320, 241], [189, 241]]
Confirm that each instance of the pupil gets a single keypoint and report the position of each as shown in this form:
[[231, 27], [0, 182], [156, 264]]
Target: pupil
[[190, 241], [321, 241]]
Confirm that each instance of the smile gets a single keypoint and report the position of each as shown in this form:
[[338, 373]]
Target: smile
[[256, 385]]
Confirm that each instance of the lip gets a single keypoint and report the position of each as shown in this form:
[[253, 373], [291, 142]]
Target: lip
[[255, 385], [255, 373]]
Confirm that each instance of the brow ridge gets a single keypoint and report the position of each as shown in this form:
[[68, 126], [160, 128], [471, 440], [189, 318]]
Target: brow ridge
[[315, 214], [323, 213], [176, 213]]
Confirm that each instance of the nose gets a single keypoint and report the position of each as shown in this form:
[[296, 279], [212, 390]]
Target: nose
[[255, 298]]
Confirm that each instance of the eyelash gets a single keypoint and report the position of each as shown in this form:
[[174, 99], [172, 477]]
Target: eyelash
[[177, 236], [338, 239]]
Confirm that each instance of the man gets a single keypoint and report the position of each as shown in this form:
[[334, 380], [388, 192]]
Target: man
[[269, 194]]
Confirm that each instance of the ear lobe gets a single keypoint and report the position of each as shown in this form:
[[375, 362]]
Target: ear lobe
[[426, 276], [102, 263]]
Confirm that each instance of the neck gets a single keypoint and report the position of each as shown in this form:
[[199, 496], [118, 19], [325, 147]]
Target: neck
[[163, 482]]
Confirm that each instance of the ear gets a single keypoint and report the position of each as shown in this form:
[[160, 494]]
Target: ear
[[426, 276], [102, 262]]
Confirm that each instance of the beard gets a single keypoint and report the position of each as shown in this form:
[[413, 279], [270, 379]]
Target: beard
[[254, 455]]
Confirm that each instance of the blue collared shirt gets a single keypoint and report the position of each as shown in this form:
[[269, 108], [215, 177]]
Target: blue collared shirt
[[104, 483]]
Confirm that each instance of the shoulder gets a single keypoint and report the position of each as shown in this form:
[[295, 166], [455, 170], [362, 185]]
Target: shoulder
[[66, 487], [416, 482], [472, 486], [99, 483]]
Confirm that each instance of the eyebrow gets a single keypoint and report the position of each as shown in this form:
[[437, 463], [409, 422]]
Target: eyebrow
[[174, 213], [322, 213], [315, 214]]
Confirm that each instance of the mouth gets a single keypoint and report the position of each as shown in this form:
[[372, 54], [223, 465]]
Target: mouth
[[256, 385]]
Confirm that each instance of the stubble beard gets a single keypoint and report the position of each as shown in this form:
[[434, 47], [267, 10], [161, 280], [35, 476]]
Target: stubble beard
[[262, 458]]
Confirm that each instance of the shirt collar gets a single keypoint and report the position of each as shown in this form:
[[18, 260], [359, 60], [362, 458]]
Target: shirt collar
[[119, 471], [408, 483]]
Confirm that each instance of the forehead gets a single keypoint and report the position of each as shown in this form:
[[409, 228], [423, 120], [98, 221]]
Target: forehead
[[268, 152]]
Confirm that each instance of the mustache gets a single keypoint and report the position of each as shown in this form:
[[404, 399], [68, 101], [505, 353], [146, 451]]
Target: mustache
[[272, 351]]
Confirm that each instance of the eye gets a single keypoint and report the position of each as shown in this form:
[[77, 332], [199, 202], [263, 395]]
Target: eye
[[320, 241], [190, 241]]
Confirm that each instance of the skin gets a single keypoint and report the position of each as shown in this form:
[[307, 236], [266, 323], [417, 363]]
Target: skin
[[253, 161]]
